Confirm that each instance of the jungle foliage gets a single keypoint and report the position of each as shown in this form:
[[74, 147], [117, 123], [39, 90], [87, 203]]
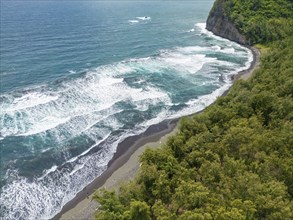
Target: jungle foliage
[[261, 21], [234, 160]]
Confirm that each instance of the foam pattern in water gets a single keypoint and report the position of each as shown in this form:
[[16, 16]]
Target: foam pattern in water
[[65, 133]]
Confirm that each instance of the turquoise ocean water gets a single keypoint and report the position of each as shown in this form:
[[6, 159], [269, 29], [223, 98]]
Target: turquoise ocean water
[[78, 77]]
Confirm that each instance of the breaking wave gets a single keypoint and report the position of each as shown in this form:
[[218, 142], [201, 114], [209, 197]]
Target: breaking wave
[[71, 127]]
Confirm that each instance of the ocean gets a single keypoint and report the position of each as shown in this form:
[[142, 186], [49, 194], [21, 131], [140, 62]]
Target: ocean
[[78, 77]]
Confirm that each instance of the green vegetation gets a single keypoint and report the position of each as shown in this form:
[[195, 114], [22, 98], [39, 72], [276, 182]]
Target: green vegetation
[[234, 160], [261, 21]]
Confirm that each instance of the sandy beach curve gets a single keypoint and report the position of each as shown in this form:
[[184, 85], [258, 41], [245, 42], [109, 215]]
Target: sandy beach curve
[[125, 163]]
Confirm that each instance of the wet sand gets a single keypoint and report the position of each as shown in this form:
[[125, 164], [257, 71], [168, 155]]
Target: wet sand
[[125, 163], [152, 136]]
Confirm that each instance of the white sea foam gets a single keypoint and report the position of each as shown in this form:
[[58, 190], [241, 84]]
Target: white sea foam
[[201, 102], [216, 48], [45, 124], [144, 18], [150, 93], [107, 81], [203, 30], [190, 63], [76, 168], [249, 60], [37, 112], [95, 93], [42, 198], [29, 100], [230, 50], [72, 71], [46, 172], [90, 105], [133, 21], [138, 59], [192, 49]]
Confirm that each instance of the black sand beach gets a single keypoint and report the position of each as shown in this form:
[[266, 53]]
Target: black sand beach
[[131, 144]]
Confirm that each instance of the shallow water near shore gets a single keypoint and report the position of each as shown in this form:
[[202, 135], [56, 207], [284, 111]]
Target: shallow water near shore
[[77, 78]]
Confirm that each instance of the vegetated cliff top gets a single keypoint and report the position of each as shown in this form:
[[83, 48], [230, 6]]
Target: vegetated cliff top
[[260, 21], [221, 25]]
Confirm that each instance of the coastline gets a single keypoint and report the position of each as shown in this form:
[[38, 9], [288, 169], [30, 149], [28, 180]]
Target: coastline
[[124, 164], [245, 74], [124, 151]]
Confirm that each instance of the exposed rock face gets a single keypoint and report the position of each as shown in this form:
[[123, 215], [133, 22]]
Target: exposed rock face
[[219, 24]]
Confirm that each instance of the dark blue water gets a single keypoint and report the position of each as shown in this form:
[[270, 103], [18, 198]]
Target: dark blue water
[[78, 77]]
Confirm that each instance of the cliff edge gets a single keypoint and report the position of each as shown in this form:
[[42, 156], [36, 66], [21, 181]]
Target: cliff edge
[[220, 25]]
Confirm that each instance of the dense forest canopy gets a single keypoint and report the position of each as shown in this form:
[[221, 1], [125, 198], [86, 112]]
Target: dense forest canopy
[[261, 21], [234, 160]]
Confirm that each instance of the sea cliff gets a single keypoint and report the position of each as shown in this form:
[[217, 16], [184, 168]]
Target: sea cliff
[[220, 25]]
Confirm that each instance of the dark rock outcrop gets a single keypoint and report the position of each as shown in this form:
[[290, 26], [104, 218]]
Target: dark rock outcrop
[[220, 25]]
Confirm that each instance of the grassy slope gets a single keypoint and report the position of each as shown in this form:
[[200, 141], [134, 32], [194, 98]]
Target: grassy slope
[[233, 161]]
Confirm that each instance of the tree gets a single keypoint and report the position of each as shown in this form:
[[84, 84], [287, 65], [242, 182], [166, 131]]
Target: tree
[[139, 211], [190, 195], [234, 160]]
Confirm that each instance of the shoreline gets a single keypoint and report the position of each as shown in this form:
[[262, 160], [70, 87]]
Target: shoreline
[[82, 207], [245, 74], [124, 151]]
